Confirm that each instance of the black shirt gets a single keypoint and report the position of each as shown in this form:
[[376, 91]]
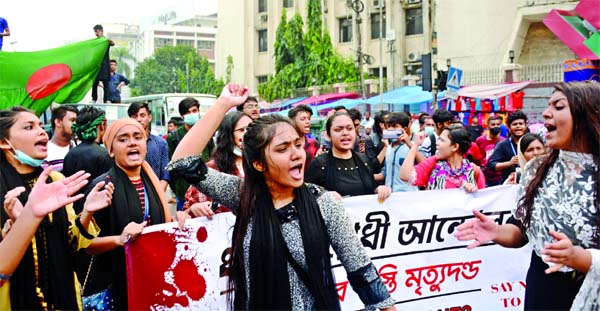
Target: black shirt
[[348, 181]]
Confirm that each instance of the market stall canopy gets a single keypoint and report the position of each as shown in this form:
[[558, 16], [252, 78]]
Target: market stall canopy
[[285, 105], [346, 102], [492, 91], [326, 98], [407, 95]]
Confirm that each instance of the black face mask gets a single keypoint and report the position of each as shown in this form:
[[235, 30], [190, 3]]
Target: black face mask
[[495, 131]]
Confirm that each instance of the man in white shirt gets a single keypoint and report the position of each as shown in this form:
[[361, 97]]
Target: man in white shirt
[[367, 123], [62, 137]]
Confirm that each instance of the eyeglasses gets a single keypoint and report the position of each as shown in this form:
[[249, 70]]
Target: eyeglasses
[[252, 106]]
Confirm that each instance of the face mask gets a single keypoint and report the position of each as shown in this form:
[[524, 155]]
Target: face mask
[[25, 158], [392, 140], [495, 131], [237, 151], [429, 130], [191, 119]]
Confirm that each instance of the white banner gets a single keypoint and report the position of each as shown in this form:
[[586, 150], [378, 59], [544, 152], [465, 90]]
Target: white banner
[[409, 239]]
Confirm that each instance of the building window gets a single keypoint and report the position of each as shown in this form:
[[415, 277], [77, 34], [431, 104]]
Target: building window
[[414, 69], [262, 40], [184, 42], [288, 3], [185, 34], [206, 45], [160, 42], [375, 24], [262, 6], [262, 79], [414, 21], [345, 29], [374, 72]]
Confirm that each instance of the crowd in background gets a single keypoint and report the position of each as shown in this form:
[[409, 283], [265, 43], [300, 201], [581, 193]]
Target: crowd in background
[[277, 177]]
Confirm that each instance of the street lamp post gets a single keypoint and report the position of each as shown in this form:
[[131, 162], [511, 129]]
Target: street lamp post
[[381, 56]]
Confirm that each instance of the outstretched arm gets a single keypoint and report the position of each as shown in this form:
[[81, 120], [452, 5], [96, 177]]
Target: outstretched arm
[[482, 229], [43, 199], [194, 142]]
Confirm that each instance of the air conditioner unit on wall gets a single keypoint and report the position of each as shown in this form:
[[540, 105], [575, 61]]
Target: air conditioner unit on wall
[[264, 18], [413, 1], [414, 57]]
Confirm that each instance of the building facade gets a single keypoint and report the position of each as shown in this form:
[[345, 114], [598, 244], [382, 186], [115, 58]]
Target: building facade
[[475, 36], [166, 30]]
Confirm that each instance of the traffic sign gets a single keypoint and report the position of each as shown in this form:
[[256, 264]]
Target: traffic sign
[[454, 77]]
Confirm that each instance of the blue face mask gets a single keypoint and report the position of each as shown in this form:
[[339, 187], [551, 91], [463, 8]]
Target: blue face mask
[[191, 119], [429, 130], [25, 158]]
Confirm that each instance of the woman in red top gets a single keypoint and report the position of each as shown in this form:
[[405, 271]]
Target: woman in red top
[[448, 169], [227, 159]]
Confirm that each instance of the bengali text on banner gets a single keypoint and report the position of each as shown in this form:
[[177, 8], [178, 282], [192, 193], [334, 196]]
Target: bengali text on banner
[[409, 239]]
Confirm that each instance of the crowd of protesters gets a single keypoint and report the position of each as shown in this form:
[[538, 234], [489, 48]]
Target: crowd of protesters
[[284, 183]]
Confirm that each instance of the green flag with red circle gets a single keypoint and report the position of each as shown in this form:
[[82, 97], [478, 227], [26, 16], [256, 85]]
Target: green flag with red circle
[[35, 80]]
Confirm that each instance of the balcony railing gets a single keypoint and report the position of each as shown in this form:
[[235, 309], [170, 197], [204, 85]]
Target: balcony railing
[[542, 73], [483, 76]]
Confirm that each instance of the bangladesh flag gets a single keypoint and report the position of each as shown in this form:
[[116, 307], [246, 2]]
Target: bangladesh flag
[[62, 75]]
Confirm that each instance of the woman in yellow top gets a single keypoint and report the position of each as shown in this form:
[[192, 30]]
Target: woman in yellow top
[[43, 278]]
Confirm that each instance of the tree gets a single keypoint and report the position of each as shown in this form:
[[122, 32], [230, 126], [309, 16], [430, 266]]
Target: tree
[[300, 57], [124, 59], [175, 70]]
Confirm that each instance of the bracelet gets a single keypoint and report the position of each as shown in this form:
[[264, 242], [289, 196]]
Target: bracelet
[[82, 230]]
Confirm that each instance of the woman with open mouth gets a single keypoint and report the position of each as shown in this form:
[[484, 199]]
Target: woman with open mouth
[[138, 200], [342, 169], [227, 159], [284, 227], [42, 272], [558, 207]]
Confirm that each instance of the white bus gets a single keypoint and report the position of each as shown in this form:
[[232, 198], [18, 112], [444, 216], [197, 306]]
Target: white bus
[[164, 106]]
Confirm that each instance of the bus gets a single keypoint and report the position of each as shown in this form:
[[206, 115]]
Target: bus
[[163, 106]]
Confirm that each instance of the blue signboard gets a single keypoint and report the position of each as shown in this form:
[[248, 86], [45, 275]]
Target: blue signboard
[[453, 82]]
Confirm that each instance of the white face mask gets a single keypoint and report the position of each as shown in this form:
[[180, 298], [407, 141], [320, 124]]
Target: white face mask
[[237, 151]]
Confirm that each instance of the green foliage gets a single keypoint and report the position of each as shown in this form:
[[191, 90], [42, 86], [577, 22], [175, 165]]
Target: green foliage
[[165, 72], [300, 57]]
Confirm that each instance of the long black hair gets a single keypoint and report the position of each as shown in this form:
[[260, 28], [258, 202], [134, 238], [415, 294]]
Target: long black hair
[[380, 118], [268, 286], [459, 135], [584, 104], [224, 156]]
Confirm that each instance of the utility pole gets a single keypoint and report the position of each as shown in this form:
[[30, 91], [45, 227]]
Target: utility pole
[[381, 2], [431, 45], [358, 6]]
